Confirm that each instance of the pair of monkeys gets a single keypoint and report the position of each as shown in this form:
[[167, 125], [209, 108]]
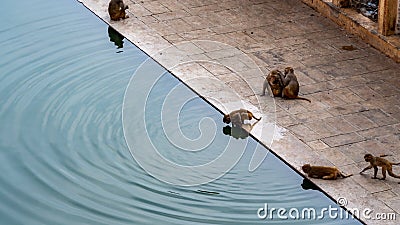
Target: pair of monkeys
[[283, 85], [116, 10], [332, 173]]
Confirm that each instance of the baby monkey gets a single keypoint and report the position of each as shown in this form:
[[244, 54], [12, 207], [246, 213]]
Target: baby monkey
[[381, 162], [324, 172], [291, 85], [237, 117], [116, 9], [274, 83]]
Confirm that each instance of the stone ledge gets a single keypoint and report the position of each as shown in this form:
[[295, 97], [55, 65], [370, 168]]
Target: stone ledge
[[357, 24]]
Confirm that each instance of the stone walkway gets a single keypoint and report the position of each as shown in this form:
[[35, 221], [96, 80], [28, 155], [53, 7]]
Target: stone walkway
[[223, 49]]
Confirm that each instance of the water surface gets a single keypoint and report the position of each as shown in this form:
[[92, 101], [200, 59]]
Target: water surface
[[63, 155]]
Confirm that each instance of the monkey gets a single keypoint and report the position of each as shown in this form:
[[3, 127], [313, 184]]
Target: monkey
[[274, 83], [376, 162], [324, 172], [237, 117], [291, 85], [116, 9]]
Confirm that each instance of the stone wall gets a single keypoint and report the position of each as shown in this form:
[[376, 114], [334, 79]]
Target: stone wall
[[398, 18]]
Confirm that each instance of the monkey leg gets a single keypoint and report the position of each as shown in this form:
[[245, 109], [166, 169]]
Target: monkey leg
[[329, 177], [375, 172], [264, 87], [383, 173], [365, 169]]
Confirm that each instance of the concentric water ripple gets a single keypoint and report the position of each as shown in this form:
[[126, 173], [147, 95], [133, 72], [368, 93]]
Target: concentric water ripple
[[63, 156]]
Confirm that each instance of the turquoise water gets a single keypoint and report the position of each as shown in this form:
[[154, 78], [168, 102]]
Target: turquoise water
[[63, 154]]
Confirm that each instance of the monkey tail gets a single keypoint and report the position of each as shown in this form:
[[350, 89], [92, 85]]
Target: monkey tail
[[301, 98], [392, 174]]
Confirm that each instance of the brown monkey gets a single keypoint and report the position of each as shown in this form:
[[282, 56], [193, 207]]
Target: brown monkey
[[381, 162], [237, 117], [324, 172], [291, 85], [116, 9], [274, 82]]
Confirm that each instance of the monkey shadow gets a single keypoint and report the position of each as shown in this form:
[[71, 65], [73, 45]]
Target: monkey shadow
[[236, 132], [116, 38], [308, 185]]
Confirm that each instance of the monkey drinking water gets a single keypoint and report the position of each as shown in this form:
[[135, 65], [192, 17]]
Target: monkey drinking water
[[116, 9], [237, 117], [291, 85], [323, 172], [376, 162]]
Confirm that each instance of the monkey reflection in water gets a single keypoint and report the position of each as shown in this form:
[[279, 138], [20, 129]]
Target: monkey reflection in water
[[308, 185], [116, 38], [241, 132], [239, 129]]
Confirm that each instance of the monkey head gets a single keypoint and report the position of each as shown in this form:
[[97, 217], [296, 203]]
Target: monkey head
[[289, 70], [226, 119], [368, 157], [274, 79], [306, 168]]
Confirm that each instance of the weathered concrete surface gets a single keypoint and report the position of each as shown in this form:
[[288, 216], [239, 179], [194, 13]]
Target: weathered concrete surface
[[223, 49], [363, 27]]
